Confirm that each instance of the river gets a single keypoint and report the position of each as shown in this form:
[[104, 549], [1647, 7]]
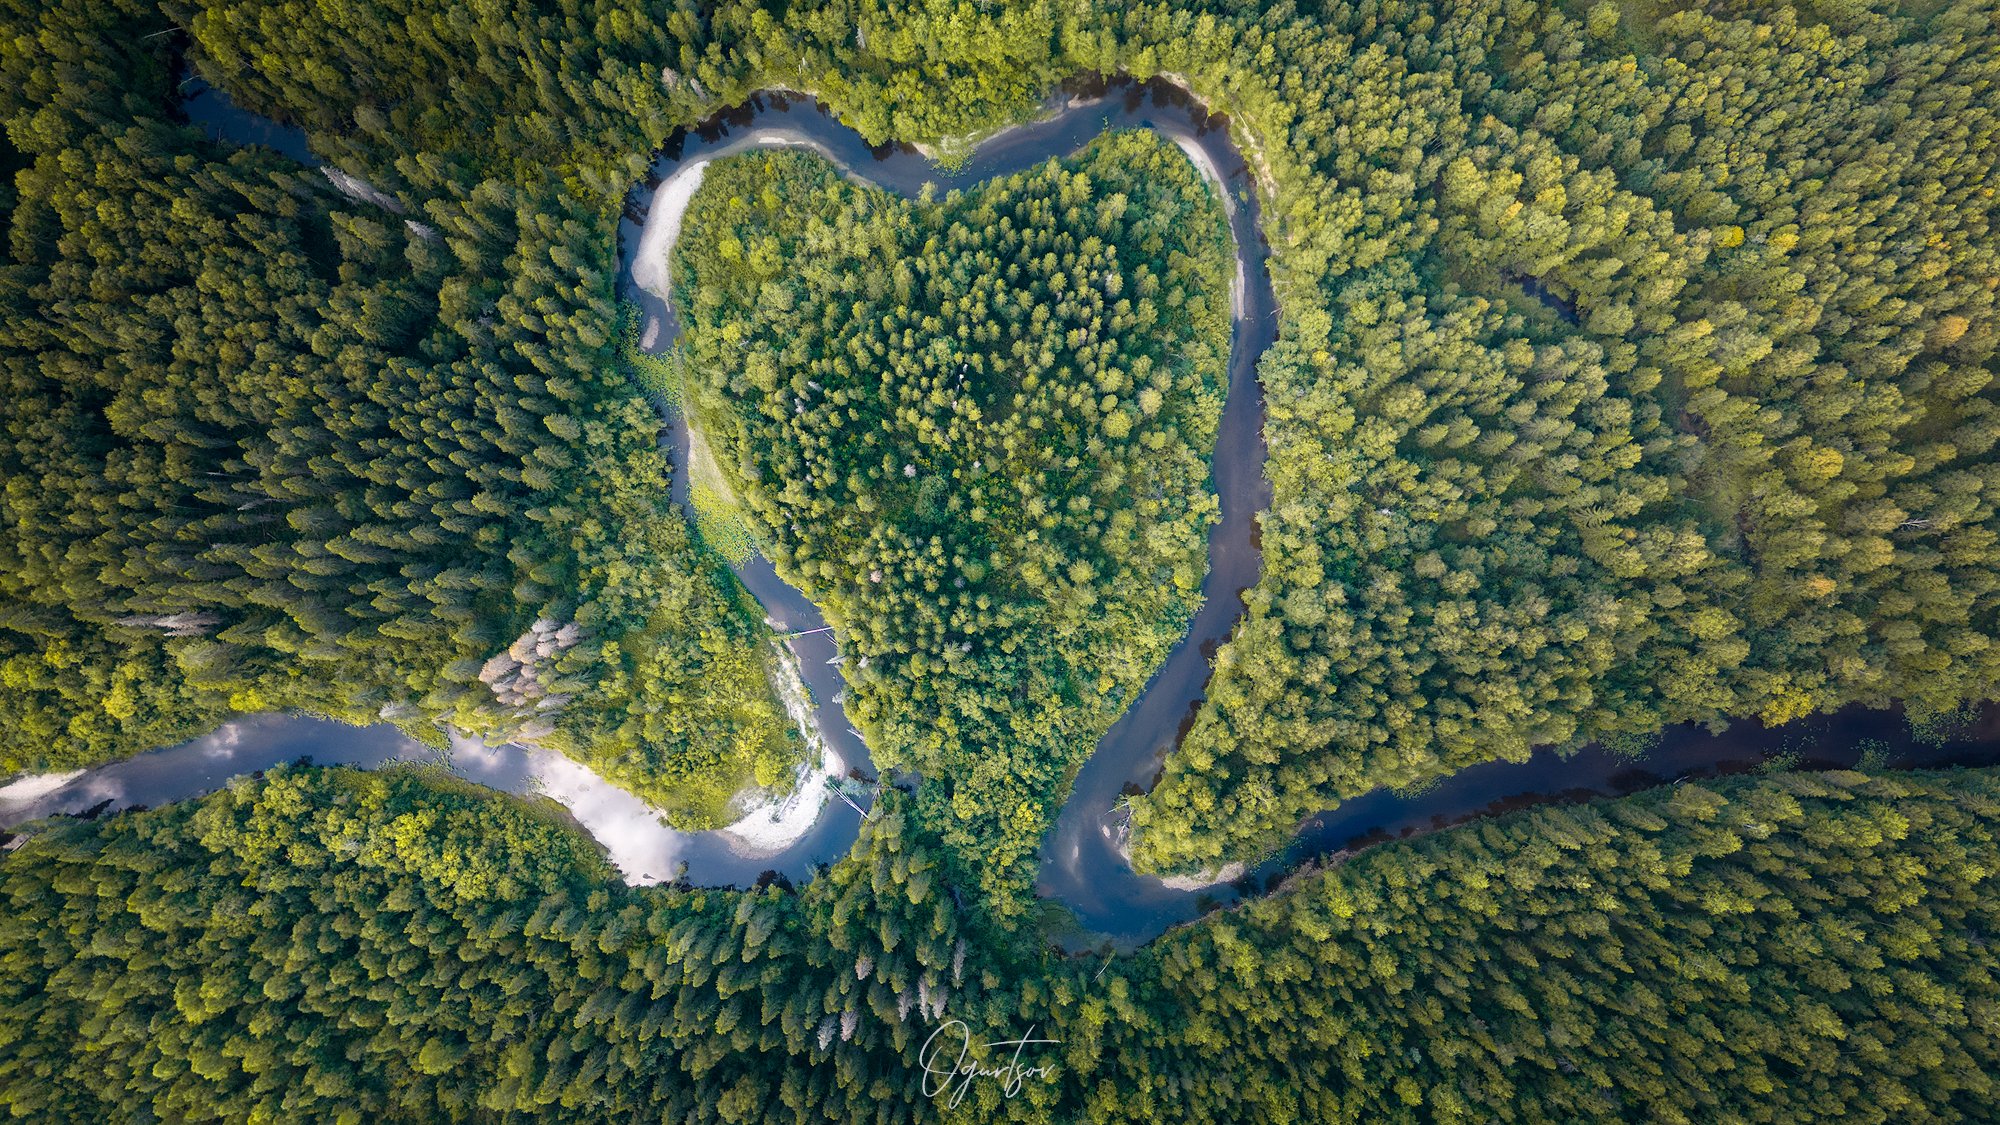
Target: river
[[1083, 865]]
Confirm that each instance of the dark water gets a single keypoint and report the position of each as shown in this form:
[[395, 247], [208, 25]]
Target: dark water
[[220, 118], [1837, 741], [1538, 289], [1134, 908]]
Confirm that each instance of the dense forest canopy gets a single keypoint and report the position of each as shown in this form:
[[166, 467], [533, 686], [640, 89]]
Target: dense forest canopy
[[1583, 420], [977, 431], [1750, 472], [324, 945], [1635, 366], [268, 446]]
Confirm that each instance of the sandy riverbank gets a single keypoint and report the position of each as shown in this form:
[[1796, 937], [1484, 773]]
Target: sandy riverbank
[[36, 785]]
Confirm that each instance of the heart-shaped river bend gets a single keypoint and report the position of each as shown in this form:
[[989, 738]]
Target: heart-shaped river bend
[[776, 424], [1093, 513]]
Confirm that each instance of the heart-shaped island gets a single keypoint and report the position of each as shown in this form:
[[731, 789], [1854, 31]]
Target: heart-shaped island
[[973, 429]]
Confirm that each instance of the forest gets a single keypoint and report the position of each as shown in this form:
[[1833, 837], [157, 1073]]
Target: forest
[[269, 447], [1635, 367], [978, 430], [1754, 477], [327, 945]]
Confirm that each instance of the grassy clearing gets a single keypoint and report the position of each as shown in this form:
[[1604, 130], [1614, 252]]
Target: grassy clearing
[[718, 514]]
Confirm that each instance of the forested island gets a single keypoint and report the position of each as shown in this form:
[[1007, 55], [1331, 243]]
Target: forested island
[[1634, 366]]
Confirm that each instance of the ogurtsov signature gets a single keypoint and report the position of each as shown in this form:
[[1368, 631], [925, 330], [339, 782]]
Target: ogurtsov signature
[[954, 1071]]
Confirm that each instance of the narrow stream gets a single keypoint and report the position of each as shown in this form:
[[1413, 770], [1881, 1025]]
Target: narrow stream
[[1131, 909], [1083, 861]]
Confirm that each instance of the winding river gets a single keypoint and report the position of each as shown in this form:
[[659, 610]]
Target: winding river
[[1083, 862]]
